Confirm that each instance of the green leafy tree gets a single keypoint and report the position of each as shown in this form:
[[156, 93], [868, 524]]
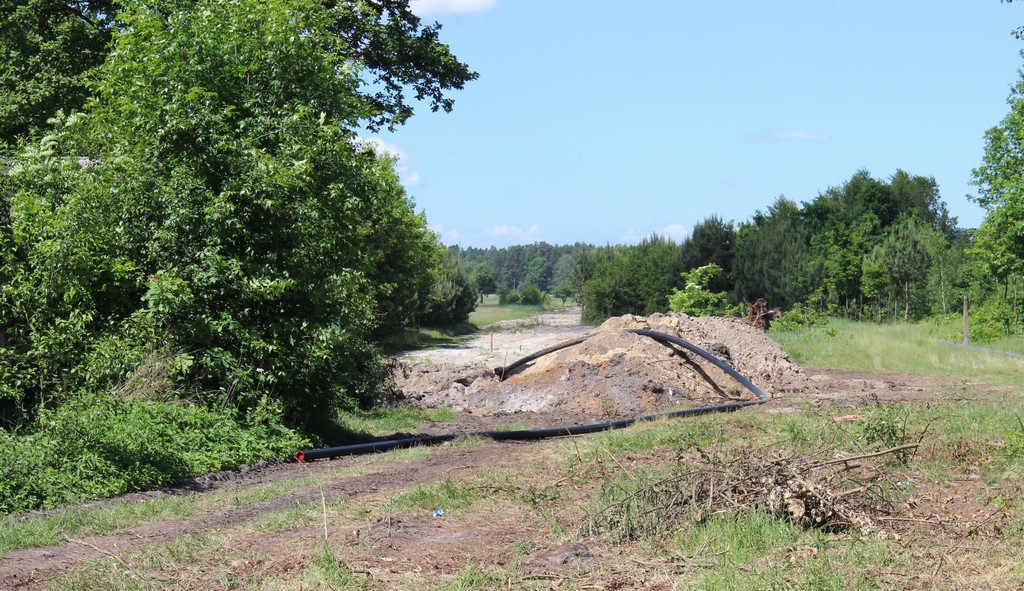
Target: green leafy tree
[[538, 273], [214, 200], [563, 291], [771, 253], [1000, 182], [453, 297], [696, 298], [875, 280], [482, 278], [50, 46], [711, 241], [906, 258], [48, 49], [630, 280], [531, 295]]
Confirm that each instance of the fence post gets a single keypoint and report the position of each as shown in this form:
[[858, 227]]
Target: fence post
[[967, 324]]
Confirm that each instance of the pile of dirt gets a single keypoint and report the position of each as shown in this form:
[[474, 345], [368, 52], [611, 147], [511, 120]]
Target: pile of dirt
[[613, 372]]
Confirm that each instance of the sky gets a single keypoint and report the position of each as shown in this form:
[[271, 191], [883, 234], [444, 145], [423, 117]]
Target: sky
[[604, 122]]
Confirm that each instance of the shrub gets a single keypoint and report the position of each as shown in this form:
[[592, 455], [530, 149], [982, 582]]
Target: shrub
[[696, 299], [507, 295], [799, 317], [531, 295], [102, 445]]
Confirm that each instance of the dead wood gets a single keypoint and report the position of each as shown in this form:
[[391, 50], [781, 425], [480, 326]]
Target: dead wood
[[805, 491], [760, 316]]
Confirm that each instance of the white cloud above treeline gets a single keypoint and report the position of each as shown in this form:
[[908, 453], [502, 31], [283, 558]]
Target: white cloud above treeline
[[676, 232], [437, 7], [407, 176], [515, 234]]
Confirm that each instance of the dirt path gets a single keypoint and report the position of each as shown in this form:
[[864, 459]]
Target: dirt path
[[390, 550]]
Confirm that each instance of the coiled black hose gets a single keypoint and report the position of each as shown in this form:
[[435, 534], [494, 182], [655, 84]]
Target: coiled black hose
[[525, 434]]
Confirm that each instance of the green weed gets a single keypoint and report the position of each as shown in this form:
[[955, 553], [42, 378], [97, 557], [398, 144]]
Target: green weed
[[447, 495], [388, 420]]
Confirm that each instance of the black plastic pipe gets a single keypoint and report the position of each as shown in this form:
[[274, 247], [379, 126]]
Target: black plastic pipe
[[528, 434]]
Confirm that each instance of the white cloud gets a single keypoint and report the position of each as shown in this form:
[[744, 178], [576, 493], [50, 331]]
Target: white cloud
[[515, 233], [775, 135], [633, 236], [381, 147], [447, 236], [407, 176], [676, 232], [436, 7]]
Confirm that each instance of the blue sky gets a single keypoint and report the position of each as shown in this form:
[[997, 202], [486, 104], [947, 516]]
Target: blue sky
[[603, 122]]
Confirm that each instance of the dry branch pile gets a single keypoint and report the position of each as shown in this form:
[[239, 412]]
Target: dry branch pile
[[809, 492]]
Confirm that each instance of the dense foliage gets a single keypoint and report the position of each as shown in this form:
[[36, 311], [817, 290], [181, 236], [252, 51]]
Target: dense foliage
[[102, 445], [452, 297], [869, 248], [205, 199], [697, 298]]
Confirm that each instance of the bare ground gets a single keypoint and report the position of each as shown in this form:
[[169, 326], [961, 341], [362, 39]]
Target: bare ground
[[611, 374]]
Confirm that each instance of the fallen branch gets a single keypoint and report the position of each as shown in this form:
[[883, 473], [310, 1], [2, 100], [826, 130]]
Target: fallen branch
[[876, 454]]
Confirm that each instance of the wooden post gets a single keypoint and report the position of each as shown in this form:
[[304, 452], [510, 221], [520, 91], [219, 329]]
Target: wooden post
[[967, 324], [492, 340]]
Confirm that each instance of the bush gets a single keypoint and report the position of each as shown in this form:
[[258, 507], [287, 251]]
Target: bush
[[531, 295], [453, 297], [507, 295], [799, 317], [97, 446], [992, 320], [696, 299]]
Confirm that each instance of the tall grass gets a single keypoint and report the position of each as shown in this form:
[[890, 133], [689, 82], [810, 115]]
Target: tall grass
[[916, 348]]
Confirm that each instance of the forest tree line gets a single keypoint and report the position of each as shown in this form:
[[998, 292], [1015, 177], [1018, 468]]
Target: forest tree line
[[868, 248]]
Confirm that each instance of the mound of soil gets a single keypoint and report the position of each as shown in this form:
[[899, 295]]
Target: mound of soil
[[612, 372]]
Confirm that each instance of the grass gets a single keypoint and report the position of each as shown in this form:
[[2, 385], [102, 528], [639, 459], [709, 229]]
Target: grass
[[445, 495], [52, 528], [559, 481], [415, 339], [389, 420], [914, 348], [490, 311]]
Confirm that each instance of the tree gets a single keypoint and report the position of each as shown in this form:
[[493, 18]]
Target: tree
[[48, 49], [482, 278], [213, 200], [711, 241], [906, 257], [453, 297], [50, 46], [696, 299], [1000, 182], [538, 273], [630, 280], [919, 196], [771, 253]]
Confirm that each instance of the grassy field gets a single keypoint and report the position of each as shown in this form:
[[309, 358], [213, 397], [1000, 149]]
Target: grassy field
[[489, 311], [917, 348]]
